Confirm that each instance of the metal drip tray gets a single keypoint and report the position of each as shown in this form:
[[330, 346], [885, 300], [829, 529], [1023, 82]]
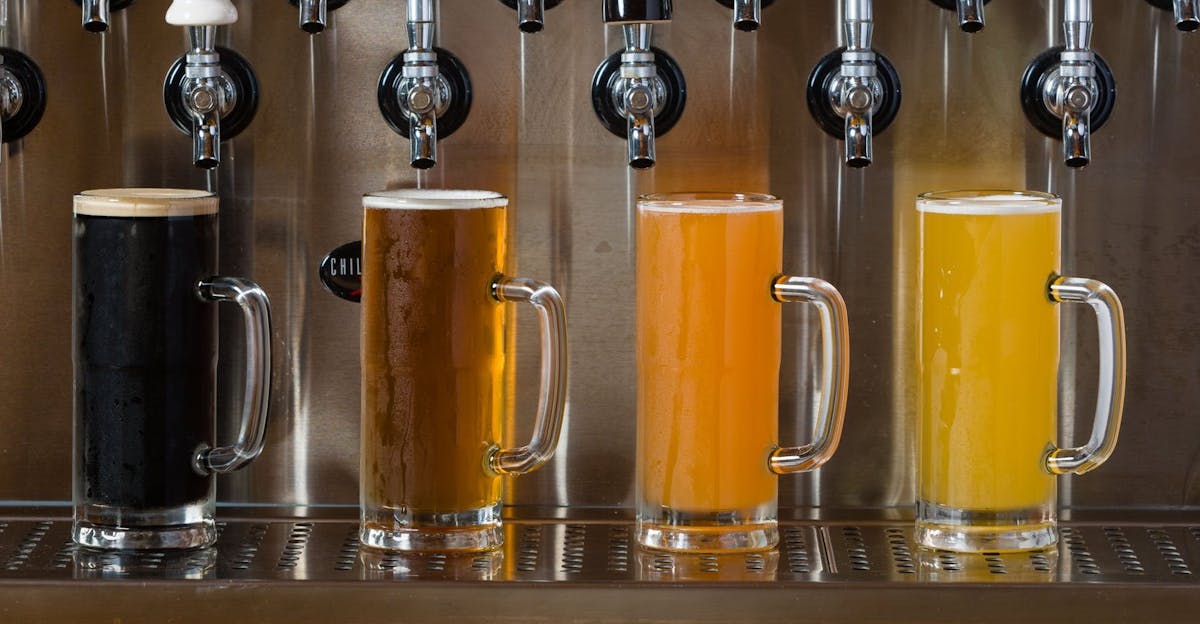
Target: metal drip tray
[[586, 568]]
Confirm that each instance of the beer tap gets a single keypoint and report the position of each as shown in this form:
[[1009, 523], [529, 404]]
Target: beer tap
[[314, 13], [1187, 12], [22, 95], [639, 93], [854, 92], [425, 92], [1068, 91], [422, 91], [970, 12], [210, 92], [96, 12], [747, 14]]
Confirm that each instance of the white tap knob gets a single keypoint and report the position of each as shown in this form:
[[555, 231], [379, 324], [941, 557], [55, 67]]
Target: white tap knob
[[201, 13]]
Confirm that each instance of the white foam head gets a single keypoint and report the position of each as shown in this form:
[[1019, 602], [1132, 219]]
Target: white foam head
[[710, 203], [145, 202], [989, 202], [433, 199]]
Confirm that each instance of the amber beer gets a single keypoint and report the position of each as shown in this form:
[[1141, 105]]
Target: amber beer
[[988, 368], [432, 360], [708, 354]]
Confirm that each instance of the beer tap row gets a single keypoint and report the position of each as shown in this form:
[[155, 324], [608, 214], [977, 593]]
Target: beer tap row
[[638, 93]]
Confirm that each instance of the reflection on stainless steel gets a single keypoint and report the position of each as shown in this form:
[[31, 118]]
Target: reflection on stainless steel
[[1153, 549], [290, 186], [111, 565]]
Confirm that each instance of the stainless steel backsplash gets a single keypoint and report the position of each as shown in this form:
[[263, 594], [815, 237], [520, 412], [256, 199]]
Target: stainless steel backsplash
[[291, 186]]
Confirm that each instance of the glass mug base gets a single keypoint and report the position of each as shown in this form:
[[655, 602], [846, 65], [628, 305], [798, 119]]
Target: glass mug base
[[972, 530], [464, 531], [680, 531], [113, 528]]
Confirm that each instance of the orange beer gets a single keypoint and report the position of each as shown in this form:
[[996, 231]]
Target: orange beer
[[708, 350]]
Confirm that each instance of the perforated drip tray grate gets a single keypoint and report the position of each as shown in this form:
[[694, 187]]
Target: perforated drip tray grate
[[603, 551]]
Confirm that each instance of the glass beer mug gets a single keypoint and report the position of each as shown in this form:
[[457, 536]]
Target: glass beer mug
[[434, 393], [145, 351], [988, 291], [708, 351]]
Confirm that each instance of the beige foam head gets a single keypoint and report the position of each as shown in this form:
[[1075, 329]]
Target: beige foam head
[[710, 203], [145, 202], [988, 202], [433, 199]]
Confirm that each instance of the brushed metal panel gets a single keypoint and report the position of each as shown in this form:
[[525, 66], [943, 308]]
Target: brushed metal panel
[[291, 185]]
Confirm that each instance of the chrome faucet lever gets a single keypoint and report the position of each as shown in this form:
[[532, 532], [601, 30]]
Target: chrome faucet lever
[[1187, 12], [95, 15], [637, 94], [1069, 91], [1187, 15], [425, 92], [747, 14], [970, 15], [422, 89], [208, 85], [204, 96], [313, 14], [854, 92], [855, 95], [531, 15]]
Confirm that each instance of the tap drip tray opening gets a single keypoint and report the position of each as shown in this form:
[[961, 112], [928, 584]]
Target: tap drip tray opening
[[32, 85], [1033, 83], [458, 94], [242, 81], [674, 96], [822, 109]]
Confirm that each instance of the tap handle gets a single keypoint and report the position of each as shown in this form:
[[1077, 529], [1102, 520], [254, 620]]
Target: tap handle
[[201, 13], [747, 15]]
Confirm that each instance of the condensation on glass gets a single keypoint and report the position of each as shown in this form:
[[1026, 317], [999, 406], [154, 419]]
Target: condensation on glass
[[988, 335], [145, 376], [709, 283], [434, 386]]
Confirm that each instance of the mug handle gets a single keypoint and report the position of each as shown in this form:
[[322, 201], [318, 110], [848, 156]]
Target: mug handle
[[1110, 397], [552, 395], [256, 312], [835, 367]]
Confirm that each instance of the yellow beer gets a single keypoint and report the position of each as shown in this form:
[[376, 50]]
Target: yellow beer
[[989, 350], [708, 350]]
